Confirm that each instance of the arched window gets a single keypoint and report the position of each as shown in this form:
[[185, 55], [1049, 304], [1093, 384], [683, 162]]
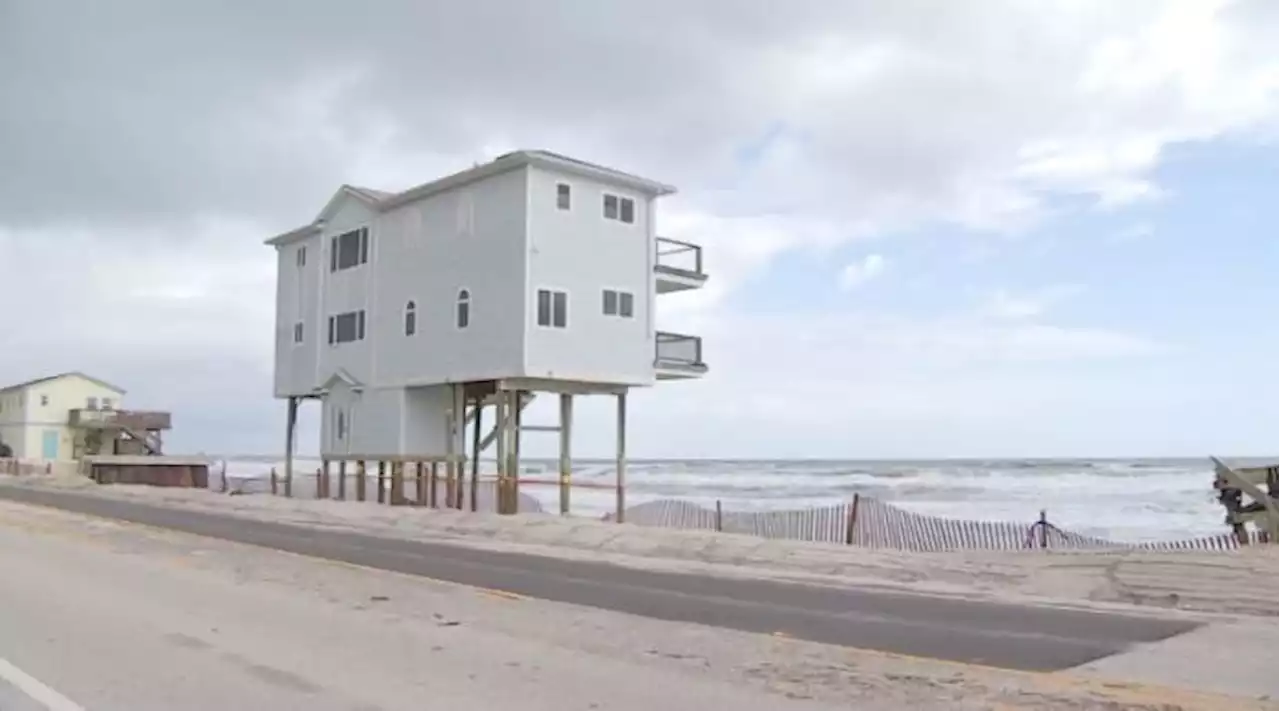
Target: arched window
[[410, 318], [464, 308]]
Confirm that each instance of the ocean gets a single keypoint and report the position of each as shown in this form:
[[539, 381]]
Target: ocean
[[1120, 499]]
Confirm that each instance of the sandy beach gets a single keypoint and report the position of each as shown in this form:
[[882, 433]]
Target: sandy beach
[[1240, 582], [1192, 584]]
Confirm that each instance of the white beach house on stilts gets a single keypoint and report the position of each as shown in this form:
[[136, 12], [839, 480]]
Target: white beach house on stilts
[[408, 314]]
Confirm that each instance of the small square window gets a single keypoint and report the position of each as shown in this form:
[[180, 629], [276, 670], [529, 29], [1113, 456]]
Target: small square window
[[610, 305], [564, 197], [107, 403], [626, 304], [611, 207], [91, 403], [627, 210], [44, 400]]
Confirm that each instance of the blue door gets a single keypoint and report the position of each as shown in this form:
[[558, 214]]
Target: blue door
[[49, 444]]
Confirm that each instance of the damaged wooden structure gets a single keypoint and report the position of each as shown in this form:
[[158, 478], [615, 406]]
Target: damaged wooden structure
[[105, 432], [1248, 494]]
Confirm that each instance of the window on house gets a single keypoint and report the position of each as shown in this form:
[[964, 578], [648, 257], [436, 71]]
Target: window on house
[[297, 332], [553, 308], [618, 303], [108, 403], [622, 209], [349, 249], [44, 400], [301, 256], [564, 196], [410, 318], [346, 327], [463, 315], [341, 425], [466, 214], [91, 403]]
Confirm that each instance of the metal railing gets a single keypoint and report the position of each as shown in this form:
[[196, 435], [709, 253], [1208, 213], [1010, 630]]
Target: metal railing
[[679, 256], [677, 349]]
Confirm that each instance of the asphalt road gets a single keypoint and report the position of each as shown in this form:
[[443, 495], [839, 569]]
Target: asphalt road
[[995, 634]]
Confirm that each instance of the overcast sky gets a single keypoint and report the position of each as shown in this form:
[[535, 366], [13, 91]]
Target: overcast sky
[[933, 228]]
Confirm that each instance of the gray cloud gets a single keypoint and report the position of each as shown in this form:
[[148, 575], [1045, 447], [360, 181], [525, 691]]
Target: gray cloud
[[147, 147]]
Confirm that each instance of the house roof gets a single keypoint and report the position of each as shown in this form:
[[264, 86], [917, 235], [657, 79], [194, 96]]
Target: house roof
[[59, 376], [381, 200]]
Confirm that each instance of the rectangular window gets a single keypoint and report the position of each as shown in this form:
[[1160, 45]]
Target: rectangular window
[[619, 303], [91, 403], [347, 327], [107, 404], [349, 249], [553, 308], [301, 257], [297, 332], [622, 209], [466, 214], [564, 196]]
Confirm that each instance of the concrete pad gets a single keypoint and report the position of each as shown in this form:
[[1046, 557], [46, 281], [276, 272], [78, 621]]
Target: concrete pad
[[1237, 658]]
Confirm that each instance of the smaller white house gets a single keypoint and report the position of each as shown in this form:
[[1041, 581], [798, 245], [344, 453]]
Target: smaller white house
[[36, 416]]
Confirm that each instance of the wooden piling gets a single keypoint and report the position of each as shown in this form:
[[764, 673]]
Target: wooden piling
[[419, 483], [719, 517], [433, 485], [382, 481], [342, 480], [362, 473], [566, 444], [475, 454], [273, 481]]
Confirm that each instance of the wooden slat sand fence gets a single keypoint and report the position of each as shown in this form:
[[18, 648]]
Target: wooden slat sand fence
[[877, 524]]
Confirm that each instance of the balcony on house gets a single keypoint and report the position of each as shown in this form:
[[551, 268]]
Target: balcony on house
[[678, 266], [678, 356], [138, 420]]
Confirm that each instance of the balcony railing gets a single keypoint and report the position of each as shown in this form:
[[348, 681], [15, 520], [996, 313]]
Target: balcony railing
[[678, 350], [676, 256], [133, 419]]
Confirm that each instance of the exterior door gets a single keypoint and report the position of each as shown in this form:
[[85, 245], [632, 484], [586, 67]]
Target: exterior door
[[49, 444]]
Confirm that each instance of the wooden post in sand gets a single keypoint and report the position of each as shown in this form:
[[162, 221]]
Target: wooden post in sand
[[620, 478], [291, 425], [342, 480], [419, 483], [475, 454], [566, 445], [362, 473], [433, 485], [382, 481], [851, 525], [273, 481]]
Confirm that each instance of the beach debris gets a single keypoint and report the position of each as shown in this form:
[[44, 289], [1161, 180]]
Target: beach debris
[[1260, 485]]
